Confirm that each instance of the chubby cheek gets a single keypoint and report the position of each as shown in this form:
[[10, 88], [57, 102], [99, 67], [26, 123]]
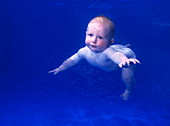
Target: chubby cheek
[[87, 41], [102, 43]]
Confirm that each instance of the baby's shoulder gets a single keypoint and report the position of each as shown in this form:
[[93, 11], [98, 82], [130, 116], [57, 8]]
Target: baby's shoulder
[[83, 50], [109, 50]]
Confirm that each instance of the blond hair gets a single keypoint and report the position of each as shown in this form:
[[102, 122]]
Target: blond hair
[[106, 21]]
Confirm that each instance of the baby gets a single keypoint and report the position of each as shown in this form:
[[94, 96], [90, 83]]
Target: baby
[[100, 53]]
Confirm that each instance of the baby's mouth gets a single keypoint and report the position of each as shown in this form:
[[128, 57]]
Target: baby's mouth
[[92, 45]]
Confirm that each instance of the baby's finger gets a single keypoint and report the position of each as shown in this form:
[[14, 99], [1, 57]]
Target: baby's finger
[[49, 71], [128, 62], [120, 65], [55, 72], [133, 61], [137, 61]]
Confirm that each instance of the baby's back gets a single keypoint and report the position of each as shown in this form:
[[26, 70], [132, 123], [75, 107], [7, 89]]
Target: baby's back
[[125, 50]]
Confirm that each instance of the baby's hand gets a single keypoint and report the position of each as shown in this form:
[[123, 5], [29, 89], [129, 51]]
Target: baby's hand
[[128, 62], [55, 71]]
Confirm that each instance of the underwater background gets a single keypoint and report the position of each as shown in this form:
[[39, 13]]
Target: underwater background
[[38, 35]]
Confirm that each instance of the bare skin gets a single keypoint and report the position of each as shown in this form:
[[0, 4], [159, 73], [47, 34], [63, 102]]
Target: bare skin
[[106, 62], [99, 53]]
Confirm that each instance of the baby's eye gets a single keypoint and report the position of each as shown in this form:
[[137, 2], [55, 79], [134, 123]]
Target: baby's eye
[[90, 35], [100, 37]]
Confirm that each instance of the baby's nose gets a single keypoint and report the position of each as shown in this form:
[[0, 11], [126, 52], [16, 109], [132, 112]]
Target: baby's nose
[[94, 39]]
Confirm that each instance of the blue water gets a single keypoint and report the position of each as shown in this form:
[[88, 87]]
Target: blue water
[[37, 36]]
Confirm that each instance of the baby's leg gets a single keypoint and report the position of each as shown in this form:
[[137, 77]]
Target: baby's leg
[[129, 80]]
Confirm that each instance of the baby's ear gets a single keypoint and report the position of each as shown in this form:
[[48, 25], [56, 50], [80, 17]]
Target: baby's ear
[[112, 41]]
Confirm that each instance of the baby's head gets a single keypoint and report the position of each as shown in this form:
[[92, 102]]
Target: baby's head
[[99, 34], [107, 24]]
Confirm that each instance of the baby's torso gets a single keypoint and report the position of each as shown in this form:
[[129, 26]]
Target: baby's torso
[[100, 60]]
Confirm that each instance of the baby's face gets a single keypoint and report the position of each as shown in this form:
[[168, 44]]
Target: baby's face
[[97, 37]]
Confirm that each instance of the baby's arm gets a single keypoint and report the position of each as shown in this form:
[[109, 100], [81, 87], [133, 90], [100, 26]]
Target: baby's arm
[[122, 60], [68, 63]]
